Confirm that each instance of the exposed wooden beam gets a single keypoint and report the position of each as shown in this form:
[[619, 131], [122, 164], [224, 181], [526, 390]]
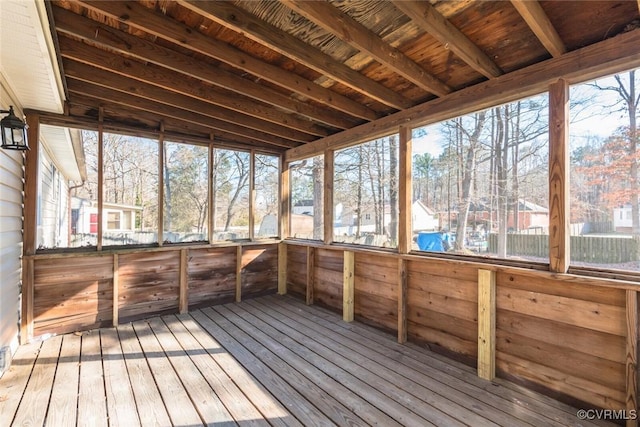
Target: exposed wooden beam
[[127, 100], [426, 16], [282, 268], [361, 60], [86, 73], [132, 121], [348, 285], [402, 300], [405, 190], [239, 266], [29, 225], [352, 32], [311, 271], [559, 255], [231, 16], [597, 60], [183, 293], [538, 21], [174, 82], [31, 184], [486, 324], [328, 196], [632, 355], [144, 50], [116, 291], [223, 139], [166, 28]]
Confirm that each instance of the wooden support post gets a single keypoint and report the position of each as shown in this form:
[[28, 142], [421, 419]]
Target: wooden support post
[[282, 268], [559, 177], [311, 265], [161, 177], [239, 274], [100, 178], [632, 356], [26, 325], [210, 197], [284, 200], [328, 197], [31, 170], [184, 281], [116, 290], [402, 300], [348, 286], [29, 228], [487, 324], [252, 194], [405, 186]]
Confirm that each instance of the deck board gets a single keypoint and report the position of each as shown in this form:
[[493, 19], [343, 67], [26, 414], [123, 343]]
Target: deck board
[[92, 405], [33, 406], [121, 404], [206, 402], [15, 380], [435, 393], [149, 403], [174, 395], [268, 361], [63, 408]]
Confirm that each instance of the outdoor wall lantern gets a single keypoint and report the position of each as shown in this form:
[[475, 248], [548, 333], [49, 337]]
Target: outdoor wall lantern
[[14, 131]]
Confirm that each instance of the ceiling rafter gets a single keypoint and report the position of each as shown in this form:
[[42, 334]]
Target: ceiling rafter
[[360, 60], [101, 93], [539, 22], [428, 18], [176, 83], [174, 128], [352, 32], [164, 27], [228, 15], [106, 79], [123, 43]]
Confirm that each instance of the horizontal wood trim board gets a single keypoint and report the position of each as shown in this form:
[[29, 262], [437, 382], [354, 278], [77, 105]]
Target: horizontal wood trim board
[[592, 368], [590, 315], [447, 286], [572, 338], [423, 334], [442, 304], [584, 390], [456, 326]]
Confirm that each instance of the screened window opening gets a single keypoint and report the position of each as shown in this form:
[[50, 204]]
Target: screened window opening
[[480, 183]]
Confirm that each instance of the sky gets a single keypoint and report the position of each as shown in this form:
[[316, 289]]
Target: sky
[[589, 122]]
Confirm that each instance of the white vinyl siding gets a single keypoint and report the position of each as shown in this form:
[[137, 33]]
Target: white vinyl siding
[[53, 207], [11, 187]]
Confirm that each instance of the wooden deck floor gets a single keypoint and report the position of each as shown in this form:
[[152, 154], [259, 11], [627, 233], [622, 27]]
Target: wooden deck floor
[[268, 361]]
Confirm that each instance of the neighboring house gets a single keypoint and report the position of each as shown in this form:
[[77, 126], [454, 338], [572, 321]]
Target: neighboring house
[[346, 220], [423, 218], [58, 167], [622, 219], [116, 217], [530, 215], [303, 207]]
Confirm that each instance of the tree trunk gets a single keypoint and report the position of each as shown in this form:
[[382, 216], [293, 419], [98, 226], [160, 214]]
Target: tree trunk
[[318, 199], [501, 175], [466, 182], [632, 108], [393, 189], [167, 190]]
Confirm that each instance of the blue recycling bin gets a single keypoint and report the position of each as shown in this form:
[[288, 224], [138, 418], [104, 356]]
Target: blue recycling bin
[[431, 241]]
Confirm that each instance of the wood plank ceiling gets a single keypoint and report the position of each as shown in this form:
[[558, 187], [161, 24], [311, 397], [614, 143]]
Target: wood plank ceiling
[[272, 75]]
